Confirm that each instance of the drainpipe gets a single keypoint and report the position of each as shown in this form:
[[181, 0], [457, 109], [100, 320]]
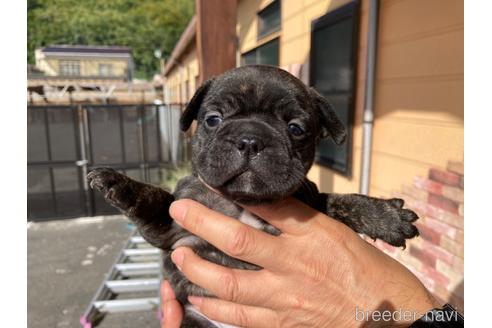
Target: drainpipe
[[368, 115]]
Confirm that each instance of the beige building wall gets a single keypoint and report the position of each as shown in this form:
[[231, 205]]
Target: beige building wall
[[419, 88], [88, 66], [181, 81], [91, 67], [44, 65], [419, 97], [246, 29]]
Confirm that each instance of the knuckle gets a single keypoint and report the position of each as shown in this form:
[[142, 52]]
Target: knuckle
[[298, 302], [241, 242], [210, 308], [230, 286], [242, 318]]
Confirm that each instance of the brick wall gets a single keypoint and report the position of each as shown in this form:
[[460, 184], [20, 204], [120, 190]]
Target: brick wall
[[436, 256]]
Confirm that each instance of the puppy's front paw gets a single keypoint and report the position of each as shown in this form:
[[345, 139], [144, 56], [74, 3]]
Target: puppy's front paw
[[103, 178], [395, 222], [115, 187]]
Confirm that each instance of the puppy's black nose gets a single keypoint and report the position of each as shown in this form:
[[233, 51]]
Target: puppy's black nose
[[252, 145]]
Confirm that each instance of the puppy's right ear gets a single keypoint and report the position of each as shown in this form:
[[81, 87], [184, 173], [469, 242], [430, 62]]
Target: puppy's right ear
[[191, 111]]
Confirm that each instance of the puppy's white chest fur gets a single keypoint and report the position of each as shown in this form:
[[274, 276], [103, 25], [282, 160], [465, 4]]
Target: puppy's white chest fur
[[188, 241], [251, 220]]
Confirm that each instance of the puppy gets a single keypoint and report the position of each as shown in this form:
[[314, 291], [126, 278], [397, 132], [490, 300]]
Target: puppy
[[257, 129]]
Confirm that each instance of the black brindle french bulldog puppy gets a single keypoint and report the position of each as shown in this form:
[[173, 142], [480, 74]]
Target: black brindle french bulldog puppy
[[255, 141]]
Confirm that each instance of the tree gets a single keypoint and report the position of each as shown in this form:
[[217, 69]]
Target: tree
[[143, 25]]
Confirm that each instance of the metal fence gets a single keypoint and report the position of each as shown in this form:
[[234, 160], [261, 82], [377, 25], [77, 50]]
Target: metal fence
[[65, 142]]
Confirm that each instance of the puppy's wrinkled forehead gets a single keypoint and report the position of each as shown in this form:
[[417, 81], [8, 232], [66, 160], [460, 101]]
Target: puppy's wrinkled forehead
[[254, 92]]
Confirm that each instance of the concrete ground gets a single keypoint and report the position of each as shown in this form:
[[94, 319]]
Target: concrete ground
[[66, 263]]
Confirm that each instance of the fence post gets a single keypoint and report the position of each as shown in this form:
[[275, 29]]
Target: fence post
[[159, 141], [142, 142], [48, 148], [84, 161]]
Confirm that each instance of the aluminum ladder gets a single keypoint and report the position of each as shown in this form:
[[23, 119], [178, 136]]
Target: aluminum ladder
[[137, 269]]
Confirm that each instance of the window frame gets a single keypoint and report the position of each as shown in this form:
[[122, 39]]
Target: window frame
[[255, 49], [67, 65], [109, 68], [264, 34], [350, 10]]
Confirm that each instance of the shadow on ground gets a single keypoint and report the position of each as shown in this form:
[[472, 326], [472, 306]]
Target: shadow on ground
[[66, 263]]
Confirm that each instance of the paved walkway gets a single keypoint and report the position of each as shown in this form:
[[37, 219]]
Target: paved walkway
[[66, 263]]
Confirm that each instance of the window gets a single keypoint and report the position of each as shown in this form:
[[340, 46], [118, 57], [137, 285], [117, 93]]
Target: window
[[334, 40], [269, 19], [105, 69], [266, 54], [69, 67]]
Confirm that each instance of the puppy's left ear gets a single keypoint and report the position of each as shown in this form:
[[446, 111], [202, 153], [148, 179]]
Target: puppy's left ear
[[329, 123], [191, 111]]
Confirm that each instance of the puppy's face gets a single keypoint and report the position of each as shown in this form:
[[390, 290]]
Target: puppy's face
[[257, 131]]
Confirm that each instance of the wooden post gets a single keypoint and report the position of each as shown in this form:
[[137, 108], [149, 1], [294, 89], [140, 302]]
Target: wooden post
[[216, 37]]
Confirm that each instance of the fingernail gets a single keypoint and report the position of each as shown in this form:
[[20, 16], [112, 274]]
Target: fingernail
[[177, 257], [177, 210], [196, 301]]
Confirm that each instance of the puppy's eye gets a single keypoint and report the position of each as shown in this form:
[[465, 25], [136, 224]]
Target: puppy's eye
[[213, 120], [295, 129]]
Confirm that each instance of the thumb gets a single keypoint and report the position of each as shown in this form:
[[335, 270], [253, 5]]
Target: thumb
[[170, 307]]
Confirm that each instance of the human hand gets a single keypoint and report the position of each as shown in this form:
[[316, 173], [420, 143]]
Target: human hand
[[317, 273]]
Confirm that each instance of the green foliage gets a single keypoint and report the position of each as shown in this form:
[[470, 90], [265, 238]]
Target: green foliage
[[174, 175], [143, 25]]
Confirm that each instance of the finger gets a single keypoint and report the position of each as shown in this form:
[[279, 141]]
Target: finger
[[173, 315], [234, 314], [170, 307], [289, 215], [229, 235], [164, 297], [167, 292], [226, 283]]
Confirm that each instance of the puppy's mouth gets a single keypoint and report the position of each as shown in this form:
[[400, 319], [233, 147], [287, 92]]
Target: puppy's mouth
[[243, 186], [224, 179]]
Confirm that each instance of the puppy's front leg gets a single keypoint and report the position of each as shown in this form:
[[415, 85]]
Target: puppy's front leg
[[146, 205], [384, 219]]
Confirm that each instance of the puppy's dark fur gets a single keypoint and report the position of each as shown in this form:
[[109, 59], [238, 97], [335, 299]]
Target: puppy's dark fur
[[246, 147]]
